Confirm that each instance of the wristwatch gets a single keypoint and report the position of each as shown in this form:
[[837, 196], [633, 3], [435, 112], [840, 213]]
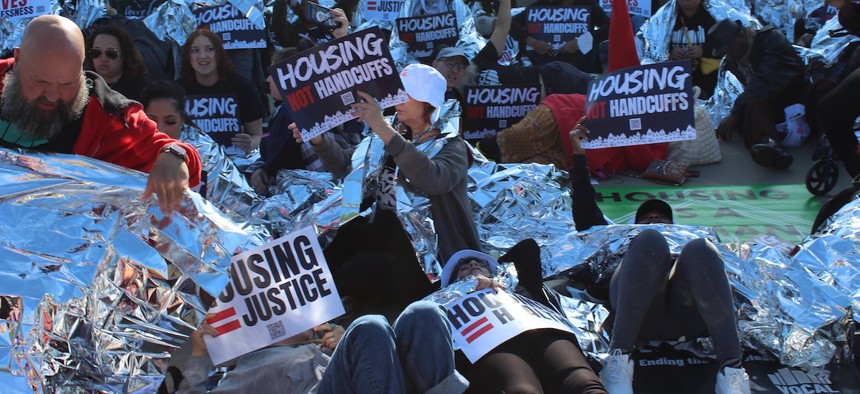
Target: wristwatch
[[175, 150]]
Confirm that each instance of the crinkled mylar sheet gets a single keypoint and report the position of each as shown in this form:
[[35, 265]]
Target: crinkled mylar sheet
[[103, 285]]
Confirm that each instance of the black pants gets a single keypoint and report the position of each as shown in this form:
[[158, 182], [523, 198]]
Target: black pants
[[376, 264], [837, 112], [533, 362], [656, 298]]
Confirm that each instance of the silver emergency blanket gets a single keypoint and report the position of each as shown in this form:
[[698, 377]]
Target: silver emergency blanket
[[85, 12], [780, 13], [98, 286], [654, 34], [172, 20], [825, 49], [226, 186], [727, 90], [253, 10]]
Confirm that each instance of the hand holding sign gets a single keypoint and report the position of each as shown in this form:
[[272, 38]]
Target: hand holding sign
[[570, 46], [577, 136], [333, 334], [487, 283], [198, 345], [541, 47], [297, 134], [367, 110], [341, 21]]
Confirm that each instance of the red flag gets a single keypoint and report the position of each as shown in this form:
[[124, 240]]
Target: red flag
[[622, 48]]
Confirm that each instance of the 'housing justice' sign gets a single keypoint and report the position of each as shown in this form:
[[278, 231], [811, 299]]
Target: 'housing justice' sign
[[321, 83], [276, 291], [641, 105]]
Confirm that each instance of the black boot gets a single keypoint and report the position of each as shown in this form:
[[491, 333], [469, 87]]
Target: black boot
[[769, 153]]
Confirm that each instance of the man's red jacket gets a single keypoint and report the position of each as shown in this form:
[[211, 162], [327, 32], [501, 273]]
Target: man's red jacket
[[119, 132]]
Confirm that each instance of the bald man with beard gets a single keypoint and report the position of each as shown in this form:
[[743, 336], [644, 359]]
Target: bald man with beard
[[49, 103]]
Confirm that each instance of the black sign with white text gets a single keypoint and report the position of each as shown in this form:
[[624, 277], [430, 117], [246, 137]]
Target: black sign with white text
[[424, 33], [321, 83], [556, 25], [490, 109], [236, 30], [641, 105]]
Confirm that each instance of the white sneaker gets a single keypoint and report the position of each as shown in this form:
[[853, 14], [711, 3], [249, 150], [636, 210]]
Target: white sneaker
[[733, 381], [617, 374]]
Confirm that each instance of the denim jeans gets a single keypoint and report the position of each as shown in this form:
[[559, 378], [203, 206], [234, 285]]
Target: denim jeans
[[413, 356]]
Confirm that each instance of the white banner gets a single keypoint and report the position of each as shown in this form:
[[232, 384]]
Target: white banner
[[15, 9], [276, 291], [382, 10], [634, 7], [482, 320]]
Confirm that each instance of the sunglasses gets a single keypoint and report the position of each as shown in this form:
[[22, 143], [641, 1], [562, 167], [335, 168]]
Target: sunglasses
[[111, 53]]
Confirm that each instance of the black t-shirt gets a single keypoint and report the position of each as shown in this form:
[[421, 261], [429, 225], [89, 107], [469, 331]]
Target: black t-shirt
[[221, 110], [131, 87], [491, 73], [689, 31]]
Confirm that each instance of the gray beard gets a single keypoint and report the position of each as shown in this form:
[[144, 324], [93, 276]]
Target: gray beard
[[32, 121]]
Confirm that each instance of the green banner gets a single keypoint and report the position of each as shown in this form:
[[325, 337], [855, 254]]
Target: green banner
[[779, 215]]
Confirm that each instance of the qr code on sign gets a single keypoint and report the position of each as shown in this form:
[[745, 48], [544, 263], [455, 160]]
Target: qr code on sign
[[503, 123], [226, 36], [276, 330], [347, 98], [636, 124]]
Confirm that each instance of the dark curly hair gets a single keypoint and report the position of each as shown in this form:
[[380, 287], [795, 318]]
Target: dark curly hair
[[224, 64], [166, 90], [132, 61]]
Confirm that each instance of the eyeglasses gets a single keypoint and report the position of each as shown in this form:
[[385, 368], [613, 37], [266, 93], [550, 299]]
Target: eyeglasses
[[111, 53], [455, 66]]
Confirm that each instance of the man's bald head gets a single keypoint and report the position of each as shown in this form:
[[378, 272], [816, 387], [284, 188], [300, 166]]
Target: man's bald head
[[52, 35]]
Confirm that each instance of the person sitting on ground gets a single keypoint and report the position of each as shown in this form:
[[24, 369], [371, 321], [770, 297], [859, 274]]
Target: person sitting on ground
[[689, 41], [441, 178], [655, 296], [414, 355], [49, 103], [569, 53], [772, 74], [207, 72], [537, 138], [113, 55], [485, 70], [535, 361]]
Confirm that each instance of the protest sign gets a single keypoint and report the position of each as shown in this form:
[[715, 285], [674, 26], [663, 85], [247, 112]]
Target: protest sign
[[382, 10], [276, 291], [634, 7], [482, 320], [137, 9], [235, 30], [218, 116], [15, 9], [424, 33], [556, 25], [320, 83], [490, 109], [641, 105]]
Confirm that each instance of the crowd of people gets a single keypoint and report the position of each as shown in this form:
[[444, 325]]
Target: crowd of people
[[98, 93]]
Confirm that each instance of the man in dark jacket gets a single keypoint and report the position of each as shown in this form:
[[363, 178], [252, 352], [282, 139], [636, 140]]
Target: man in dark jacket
[[772, 74]]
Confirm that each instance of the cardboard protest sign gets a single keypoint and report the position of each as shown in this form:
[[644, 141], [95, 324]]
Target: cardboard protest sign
[[424, 33], [634, 7], [557, 25], [382, 10], [276, 291], [15, 9], [237, 31], [482, 320], [218, 116], [320, 83], [490, 109], [641, 105]]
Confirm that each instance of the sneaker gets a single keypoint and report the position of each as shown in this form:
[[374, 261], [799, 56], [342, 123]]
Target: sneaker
[[733, 381], [617, 375], [768, 153]]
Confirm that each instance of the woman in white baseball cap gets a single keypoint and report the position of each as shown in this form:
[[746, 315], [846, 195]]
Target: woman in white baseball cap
[[421, 158]]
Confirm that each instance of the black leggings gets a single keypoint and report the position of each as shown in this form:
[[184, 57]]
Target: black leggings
[[836, 112], [652, 302], [533, 362]]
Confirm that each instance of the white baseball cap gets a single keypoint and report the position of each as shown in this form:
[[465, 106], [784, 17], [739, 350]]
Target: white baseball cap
[[423, 83], [465, 254]]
